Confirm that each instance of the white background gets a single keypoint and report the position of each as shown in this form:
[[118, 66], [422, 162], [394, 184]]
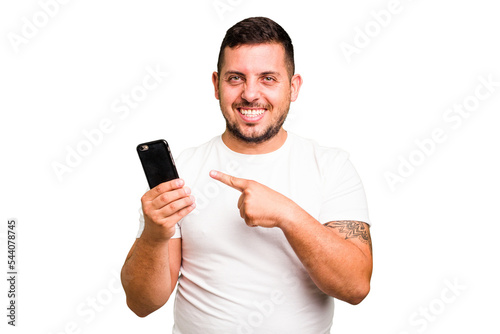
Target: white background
[[438, 227]]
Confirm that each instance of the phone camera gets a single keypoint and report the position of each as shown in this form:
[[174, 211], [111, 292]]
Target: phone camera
[[144, 147]]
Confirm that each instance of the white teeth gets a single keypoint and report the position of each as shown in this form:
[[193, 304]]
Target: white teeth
[[252, 112]]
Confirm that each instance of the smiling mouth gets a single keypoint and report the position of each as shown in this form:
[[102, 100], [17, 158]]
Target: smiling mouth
[[251, 112]]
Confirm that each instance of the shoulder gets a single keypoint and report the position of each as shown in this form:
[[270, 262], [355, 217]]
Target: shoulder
[[324, 156], [199, 152]]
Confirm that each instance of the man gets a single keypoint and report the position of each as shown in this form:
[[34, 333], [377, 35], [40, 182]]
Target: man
[[279, 225]]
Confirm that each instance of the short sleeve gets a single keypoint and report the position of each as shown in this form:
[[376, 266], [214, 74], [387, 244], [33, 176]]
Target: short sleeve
[[343, 193]]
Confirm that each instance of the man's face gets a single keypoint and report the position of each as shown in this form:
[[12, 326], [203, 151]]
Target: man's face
[[254, 91]]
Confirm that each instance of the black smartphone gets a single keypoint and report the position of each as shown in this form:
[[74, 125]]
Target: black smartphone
[[157, 162]]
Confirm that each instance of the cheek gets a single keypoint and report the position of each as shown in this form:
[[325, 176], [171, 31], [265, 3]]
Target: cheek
[[229, 96], [277, 98], [278, 93]]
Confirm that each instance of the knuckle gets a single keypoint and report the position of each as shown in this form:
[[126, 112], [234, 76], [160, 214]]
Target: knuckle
[[146, 207], [144, 199], [146, 212], [159, 189], [249, 216], [189, 200], [164, 198], [172, 207]]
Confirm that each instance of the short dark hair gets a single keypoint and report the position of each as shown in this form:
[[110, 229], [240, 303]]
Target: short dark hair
[[258, 30]]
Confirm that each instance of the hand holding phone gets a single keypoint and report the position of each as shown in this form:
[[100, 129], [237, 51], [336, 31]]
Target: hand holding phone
[[168, 202]]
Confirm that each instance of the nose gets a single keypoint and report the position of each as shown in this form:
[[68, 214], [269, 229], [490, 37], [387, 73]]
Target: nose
[[250, 91]]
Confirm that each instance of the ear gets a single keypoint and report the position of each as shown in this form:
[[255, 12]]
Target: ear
[[215, 81], [296, 83]]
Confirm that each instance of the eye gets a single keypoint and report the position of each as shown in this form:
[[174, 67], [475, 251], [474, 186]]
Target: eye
[[234, 78], [268, 79]]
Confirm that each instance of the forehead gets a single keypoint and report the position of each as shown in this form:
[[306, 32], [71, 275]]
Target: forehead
[[256, 58]]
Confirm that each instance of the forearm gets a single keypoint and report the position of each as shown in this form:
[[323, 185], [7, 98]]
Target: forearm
[[146, 277], [337, 266]]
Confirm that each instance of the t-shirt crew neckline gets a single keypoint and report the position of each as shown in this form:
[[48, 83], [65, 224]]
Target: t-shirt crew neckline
[[258, 158]]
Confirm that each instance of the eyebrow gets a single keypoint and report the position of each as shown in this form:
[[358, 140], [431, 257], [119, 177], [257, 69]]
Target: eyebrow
[[260, 74], [233, 72], [270, 73]]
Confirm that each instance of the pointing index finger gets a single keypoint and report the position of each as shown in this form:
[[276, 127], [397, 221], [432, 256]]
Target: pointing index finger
[[232, 181]]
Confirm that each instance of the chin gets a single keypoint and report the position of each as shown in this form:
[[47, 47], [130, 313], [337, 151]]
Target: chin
[[253, 137]]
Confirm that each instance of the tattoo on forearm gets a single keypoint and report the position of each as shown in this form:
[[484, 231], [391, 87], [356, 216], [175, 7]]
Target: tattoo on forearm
[[353, 229]]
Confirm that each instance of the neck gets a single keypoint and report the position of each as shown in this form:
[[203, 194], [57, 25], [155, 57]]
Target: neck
[[240, 146]]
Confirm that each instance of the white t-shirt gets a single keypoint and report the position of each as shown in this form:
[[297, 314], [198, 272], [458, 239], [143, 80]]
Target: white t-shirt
[[241, 279]]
